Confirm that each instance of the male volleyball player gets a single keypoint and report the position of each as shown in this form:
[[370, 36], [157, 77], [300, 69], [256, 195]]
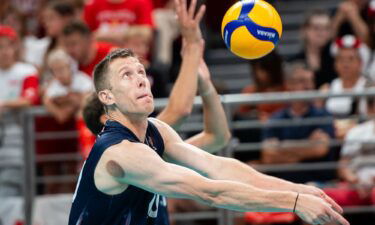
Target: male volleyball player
[[136, 159]]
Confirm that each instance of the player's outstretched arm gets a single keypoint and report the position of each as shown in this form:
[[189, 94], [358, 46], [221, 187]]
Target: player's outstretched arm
[[221, 168], [184, 90], [137, 164]]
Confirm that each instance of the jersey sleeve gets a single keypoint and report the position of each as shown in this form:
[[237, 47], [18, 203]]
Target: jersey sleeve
[[144, 13], [30, 89]]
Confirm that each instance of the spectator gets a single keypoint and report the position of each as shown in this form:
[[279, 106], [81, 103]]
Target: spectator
[[64, 94], [280, 144], [357, 169], [316, 36], [19, 89], [350, 18], [371, 25], [167, 30], [32, 48], [79, 43], [56, 15], [110, 18], [348, 64], [139, 39], [268, 76], [63, 99]]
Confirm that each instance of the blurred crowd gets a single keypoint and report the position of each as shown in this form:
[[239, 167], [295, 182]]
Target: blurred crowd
[[49, 48]]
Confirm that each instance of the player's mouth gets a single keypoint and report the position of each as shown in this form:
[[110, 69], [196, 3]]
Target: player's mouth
[[144, 96]]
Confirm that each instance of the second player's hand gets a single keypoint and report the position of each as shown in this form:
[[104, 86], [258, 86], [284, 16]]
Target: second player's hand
[[188, 22]]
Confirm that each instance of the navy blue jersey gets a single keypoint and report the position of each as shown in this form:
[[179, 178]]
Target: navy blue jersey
[[134, 206]]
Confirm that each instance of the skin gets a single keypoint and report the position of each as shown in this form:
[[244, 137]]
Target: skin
[[348, 66]]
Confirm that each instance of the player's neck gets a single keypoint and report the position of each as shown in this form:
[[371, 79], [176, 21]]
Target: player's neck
[[137, 124]]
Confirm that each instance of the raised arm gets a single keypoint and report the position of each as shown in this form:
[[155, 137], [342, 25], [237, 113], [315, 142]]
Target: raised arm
[[216, 133], [157, 176], [184, 90]]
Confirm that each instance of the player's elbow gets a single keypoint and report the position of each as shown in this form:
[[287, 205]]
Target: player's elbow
[[182, 111], [225, 138]]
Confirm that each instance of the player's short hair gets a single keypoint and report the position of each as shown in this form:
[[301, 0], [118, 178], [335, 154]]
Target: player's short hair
[[76, 27], [101, 70], [92, 111]]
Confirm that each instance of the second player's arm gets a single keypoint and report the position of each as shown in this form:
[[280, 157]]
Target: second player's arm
[[216, 133]]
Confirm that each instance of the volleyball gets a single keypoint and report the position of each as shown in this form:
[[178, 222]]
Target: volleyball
[[251, 28]]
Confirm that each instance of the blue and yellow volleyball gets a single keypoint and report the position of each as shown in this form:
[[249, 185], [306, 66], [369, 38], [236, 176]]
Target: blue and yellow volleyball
[[251, 28]]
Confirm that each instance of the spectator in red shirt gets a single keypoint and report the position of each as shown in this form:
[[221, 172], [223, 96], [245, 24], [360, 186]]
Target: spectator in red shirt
[[78, 42], [110, 18]]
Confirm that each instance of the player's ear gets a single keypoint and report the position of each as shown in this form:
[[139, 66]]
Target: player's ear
[[106, 97]]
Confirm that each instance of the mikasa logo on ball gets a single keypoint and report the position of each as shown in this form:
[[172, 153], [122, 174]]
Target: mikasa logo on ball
[[265, 33]]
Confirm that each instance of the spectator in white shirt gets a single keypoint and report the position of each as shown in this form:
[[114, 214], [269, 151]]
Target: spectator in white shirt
[[65, 92]]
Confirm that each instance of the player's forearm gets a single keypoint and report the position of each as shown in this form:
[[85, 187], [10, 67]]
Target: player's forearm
[[224, 193], [240, 172], [184, 90], [216, 132], [245, 198]]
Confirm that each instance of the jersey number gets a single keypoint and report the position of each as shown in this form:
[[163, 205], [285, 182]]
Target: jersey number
[[153, 206]]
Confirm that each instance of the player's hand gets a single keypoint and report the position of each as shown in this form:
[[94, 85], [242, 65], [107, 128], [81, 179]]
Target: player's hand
[[311, 190], [314, 210], [189, 20]]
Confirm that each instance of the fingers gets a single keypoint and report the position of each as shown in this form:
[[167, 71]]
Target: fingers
[[192, 6], [337, 217], [183, 7], [200, 14], [330, 201], [178, 8], [333, 204]]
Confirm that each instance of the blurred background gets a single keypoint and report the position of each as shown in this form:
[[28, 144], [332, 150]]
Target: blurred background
[[304, 113]]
